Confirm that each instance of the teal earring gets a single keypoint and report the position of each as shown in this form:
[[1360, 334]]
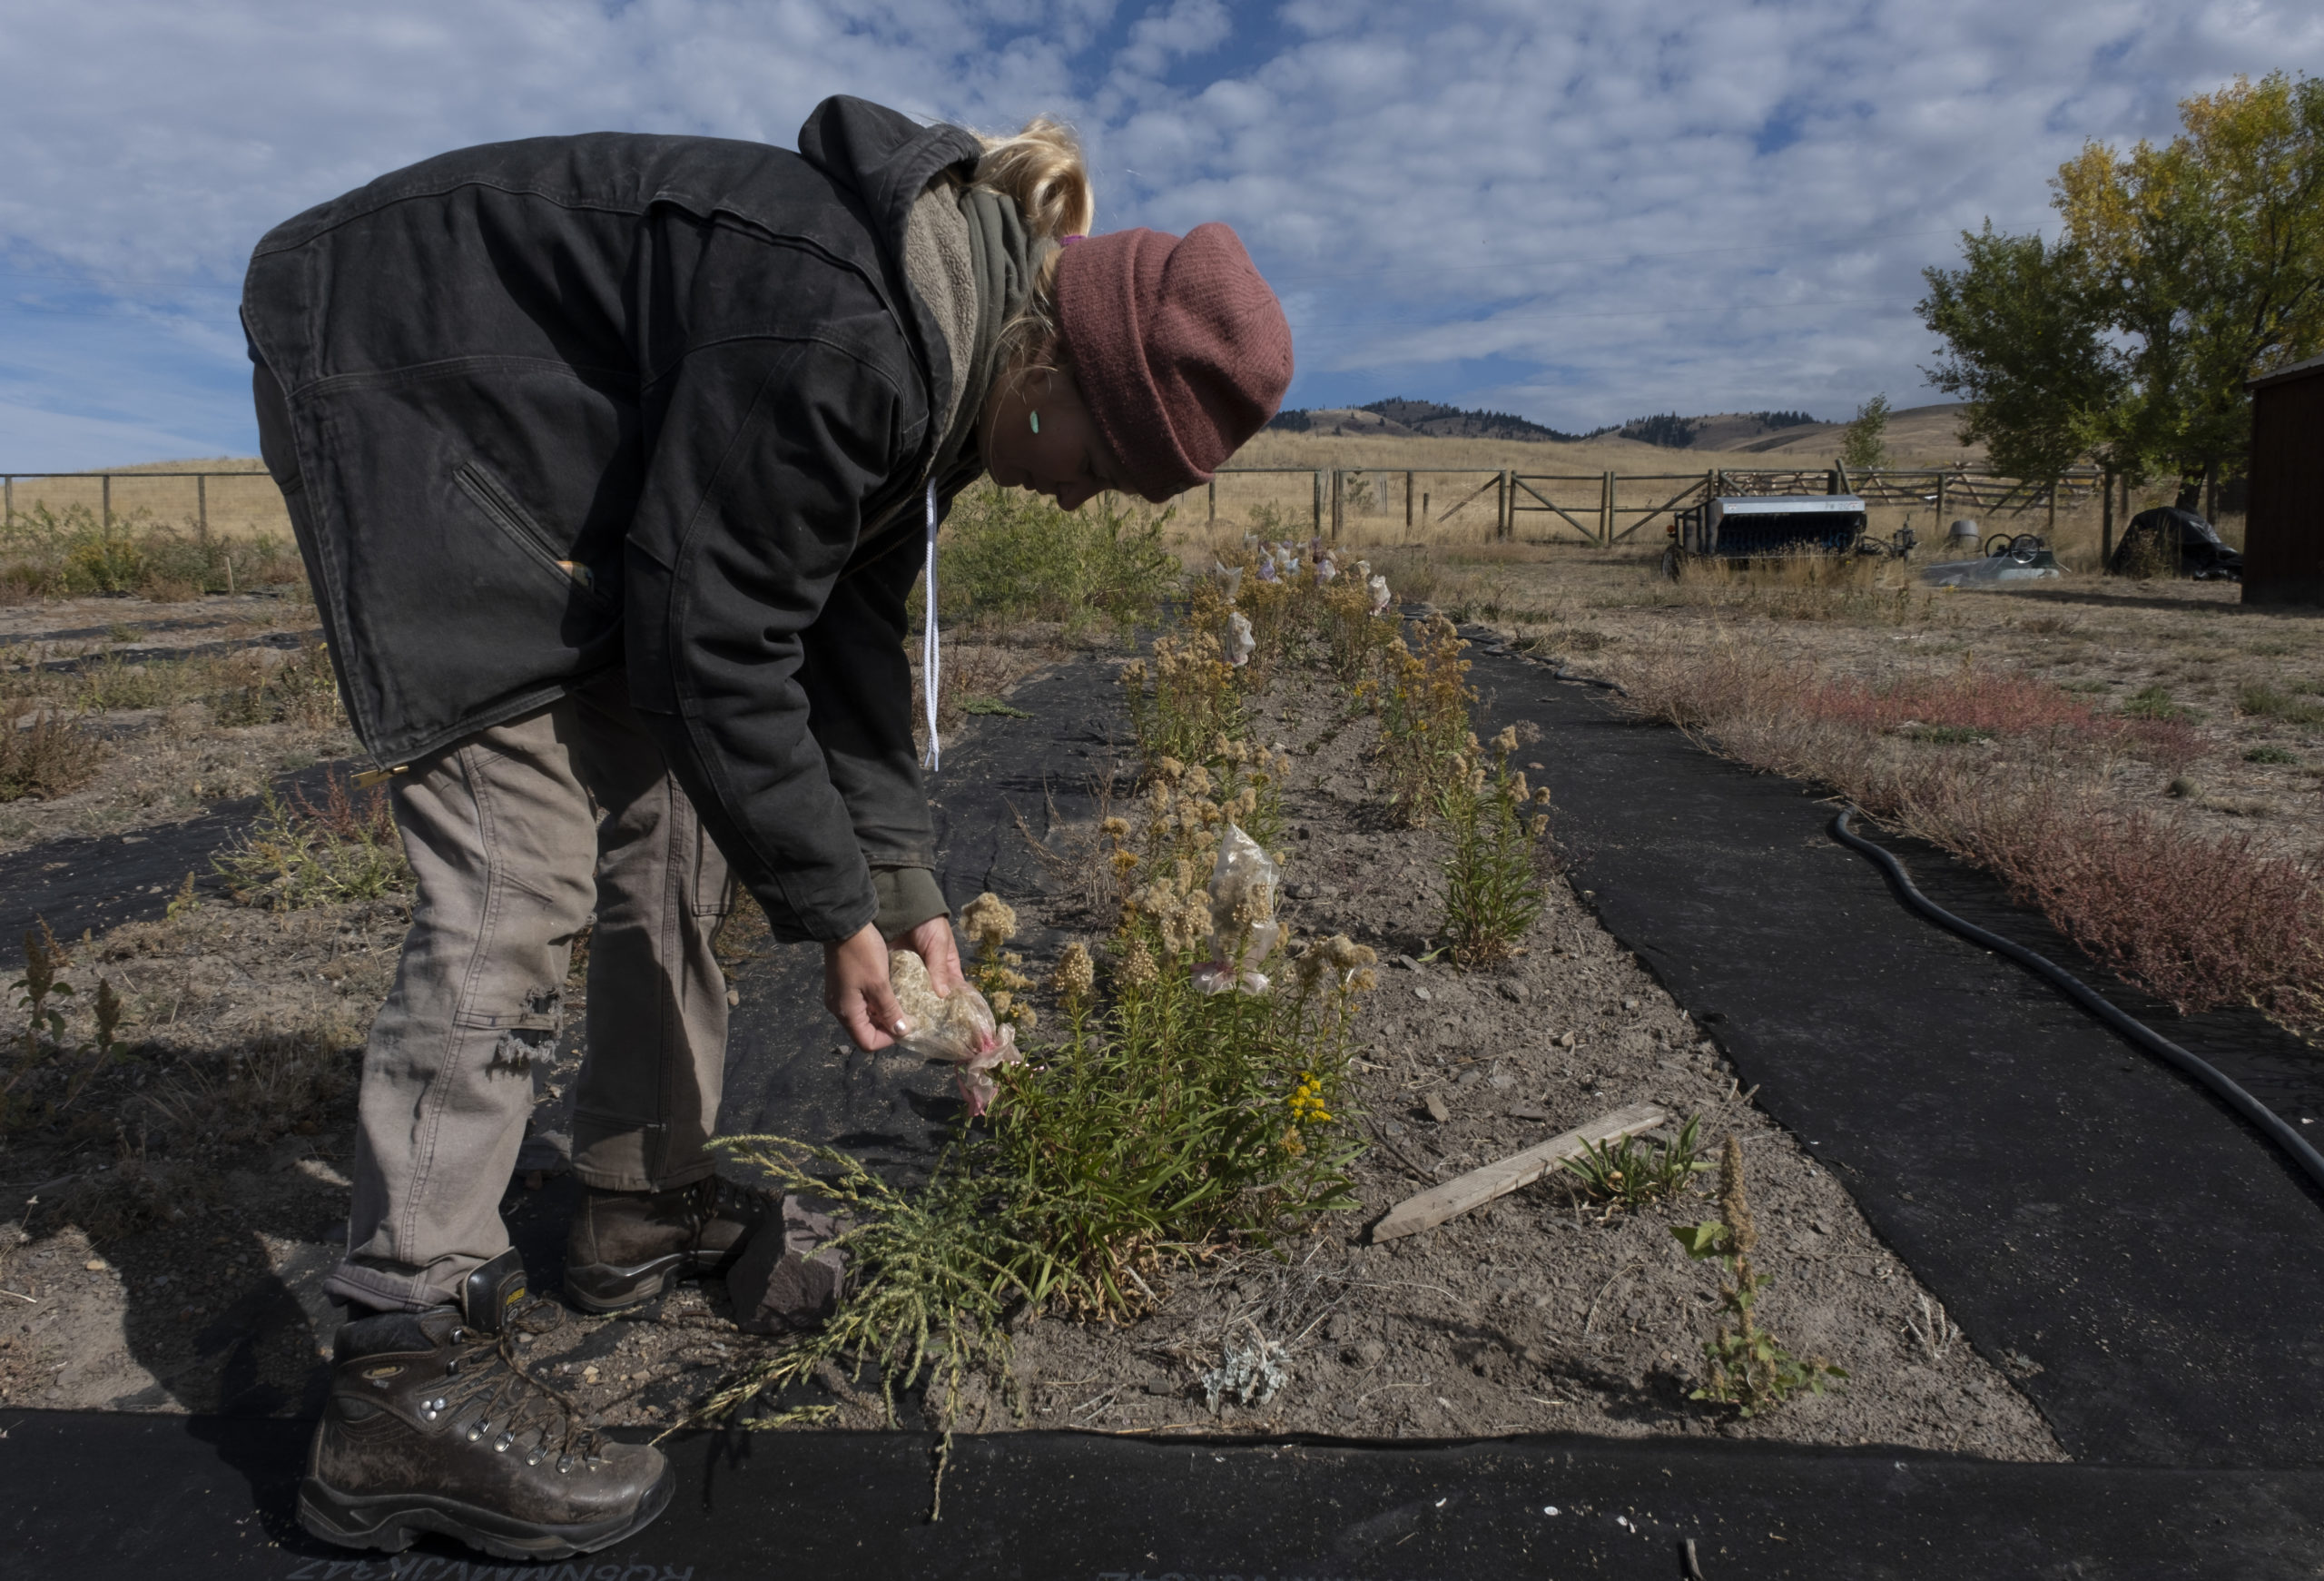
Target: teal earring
[[1036, 420]]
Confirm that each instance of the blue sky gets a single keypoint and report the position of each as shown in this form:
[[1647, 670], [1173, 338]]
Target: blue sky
[[1581, 212]]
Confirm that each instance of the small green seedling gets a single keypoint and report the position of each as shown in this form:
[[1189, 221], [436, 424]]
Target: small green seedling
[[1634, 1172]]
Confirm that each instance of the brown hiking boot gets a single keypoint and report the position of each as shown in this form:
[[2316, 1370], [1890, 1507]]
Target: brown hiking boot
[[434, 1426], [628, 1247]]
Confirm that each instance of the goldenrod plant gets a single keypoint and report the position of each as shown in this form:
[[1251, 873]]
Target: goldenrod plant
[[1423, 699], [1495, 821], [1191, 1097]]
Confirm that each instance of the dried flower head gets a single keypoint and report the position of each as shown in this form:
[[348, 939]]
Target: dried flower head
[[1075, 975], [1734, 1206], [1137, 967], [1506, 742], [989, 921]]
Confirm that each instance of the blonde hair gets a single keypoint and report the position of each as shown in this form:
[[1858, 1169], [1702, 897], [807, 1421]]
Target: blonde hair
[[1041, 169]]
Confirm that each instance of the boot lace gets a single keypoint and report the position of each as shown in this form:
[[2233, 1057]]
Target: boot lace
[[505, 1405]]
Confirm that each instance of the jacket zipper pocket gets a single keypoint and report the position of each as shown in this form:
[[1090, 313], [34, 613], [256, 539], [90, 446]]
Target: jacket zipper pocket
[[513, 519]]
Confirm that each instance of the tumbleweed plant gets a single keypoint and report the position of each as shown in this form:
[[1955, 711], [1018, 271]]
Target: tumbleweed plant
[[1495, 823], [1746, 1366]]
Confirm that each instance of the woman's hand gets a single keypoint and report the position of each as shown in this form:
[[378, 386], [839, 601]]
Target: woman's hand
[[933, 942], [856, 990]]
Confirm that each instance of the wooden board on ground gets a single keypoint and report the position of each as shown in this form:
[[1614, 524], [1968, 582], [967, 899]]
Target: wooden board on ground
[[1503, 1176]]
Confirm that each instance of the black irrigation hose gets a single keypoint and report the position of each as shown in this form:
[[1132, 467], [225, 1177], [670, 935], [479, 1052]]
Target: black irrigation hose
[[2270, 1125]]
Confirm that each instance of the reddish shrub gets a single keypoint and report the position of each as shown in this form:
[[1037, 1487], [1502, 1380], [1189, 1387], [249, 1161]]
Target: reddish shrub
[[2196, 921], [1999, 705]]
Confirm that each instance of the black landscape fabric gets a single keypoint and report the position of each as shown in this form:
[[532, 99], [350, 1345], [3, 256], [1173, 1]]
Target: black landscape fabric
[[1002, 790], [2141, 1262], [98, 1496], [94, 882]]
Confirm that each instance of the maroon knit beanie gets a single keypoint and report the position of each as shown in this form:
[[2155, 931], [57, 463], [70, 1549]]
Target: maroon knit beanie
[[1181, 350]]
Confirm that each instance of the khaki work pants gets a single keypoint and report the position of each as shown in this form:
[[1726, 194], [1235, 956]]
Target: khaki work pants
[[516, 836]]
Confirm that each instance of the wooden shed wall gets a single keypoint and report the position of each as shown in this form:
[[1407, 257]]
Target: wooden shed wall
[[2283, 536]]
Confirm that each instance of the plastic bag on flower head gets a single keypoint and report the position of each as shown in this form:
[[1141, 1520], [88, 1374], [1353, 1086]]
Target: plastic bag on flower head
[[958, 1029], [1326, 570], [1379, 586], [1240, 639], [1229, 577], [1266, 568], [1242, 906]]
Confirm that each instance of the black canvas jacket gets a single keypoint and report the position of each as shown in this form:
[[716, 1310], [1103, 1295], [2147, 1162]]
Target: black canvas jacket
[[570, 403]]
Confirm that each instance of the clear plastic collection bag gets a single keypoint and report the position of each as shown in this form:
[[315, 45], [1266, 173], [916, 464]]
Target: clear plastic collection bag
[[958, 1029], [1240, 641], [1242, 909]]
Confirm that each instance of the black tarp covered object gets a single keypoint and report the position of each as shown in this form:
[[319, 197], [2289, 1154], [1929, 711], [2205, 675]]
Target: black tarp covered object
[[2181, 533]]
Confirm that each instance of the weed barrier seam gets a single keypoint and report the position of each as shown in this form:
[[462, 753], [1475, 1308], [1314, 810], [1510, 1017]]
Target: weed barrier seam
[[2269, 1124]]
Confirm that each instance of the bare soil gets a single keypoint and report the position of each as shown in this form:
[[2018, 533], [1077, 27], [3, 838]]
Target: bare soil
[[169, 1231]]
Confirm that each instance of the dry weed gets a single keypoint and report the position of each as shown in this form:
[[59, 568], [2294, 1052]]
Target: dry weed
[[45, 756], [2017, 775]]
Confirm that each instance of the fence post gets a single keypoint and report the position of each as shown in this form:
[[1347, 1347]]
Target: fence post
[[104, 498], [1940, 498], [1214, 499], [1318, 524], [2106, 521], [1339, 501], [1606, 515], [201, 503], [1408, 502], [2052, 531], [1424, 511]]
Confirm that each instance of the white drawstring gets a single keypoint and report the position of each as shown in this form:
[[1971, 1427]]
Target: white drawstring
[[932, 657]]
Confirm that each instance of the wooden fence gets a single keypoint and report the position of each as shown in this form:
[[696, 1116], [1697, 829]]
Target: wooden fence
[[1605, 509], [1601, 508], [199, 501]]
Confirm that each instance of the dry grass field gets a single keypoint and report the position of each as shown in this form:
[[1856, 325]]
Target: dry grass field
[[244, 504]]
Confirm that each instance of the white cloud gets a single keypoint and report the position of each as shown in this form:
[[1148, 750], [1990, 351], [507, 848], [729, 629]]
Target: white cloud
[[1583, 211]]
